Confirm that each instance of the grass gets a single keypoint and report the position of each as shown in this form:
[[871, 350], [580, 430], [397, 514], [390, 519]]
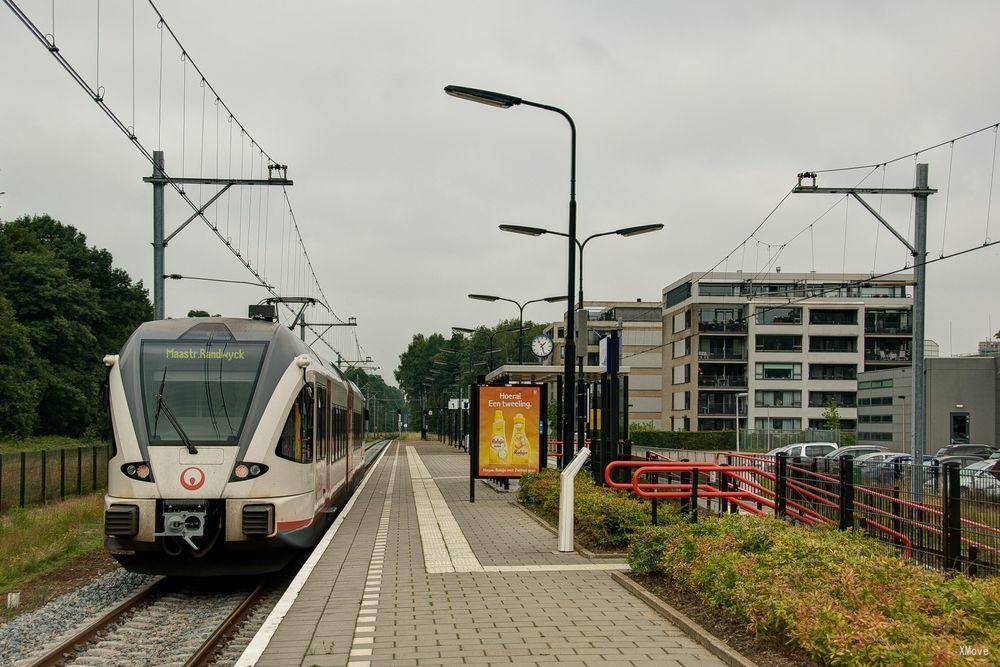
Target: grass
[[48, 442], [42, 539]]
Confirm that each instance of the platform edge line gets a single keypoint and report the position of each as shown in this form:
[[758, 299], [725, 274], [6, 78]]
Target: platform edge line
[[255, 649]]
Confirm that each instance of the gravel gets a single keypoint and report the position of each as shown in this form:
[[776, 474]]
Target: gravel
[[32, 631]]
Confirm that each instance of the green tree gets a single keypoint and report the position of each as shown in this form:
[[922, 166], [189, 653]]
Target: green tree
[[201, 313], [74, 307], [20, 388], [831, 416]]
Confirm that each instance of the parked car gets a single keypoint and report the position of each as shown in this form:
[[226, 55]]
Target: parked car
[[936, 469], [805, 449], [879, 467], [982, 477], [856, 451], [979, 451]]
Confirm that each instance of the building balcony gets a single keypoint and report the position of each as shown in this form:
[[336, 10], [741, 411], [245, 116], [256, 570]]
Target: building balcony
[[735, 327], [722, 355], [732, 381], [721, 410], [885, 330]]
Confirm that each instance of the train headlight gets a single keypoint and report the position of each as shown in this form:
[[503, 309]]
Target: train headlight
[[139, 471], [245, 471]]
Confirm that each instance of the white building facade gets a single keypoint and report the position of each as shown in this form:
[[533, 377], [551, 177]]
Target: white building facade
[[782, 347]]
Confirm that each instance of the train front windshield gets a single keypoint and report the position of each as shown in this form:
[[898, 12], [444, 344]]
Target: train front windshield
[[204, 386]]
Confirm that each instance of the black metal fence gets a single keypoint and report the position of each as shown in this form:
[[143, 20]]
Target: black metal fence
[[34, 478], [949, 519]]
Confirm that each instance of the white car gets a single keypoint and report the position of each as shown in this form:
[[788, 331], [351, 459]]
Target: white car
[[805, 449], [983, 476]]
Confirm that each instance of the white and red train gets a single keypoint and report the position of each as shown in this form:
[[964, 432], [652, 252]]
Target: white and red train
[[234, 445]]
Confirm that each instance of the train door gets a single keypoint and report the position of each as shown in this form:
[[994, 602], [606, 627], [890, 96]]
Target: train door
[[322, 431], [349, 439]]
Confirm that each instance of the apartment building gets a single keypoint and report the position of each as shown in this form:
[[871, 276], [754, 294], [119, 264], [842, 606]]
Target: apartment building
[[641, 335], [780, 346], [962, 404]]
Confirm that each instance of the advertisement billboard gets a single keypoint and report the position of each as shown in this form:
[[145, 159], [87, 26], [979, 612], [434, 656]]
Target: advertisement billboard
[[509, 430]]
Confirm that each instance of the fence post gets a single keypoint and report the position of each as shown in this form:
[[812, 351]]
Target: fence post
[[694, 495], [20, 483], [846, 497], [685, 478], [93, 467], [62, 474], [44, 475], [973, 560], [780, 483], [723, 486], [79, 470], [951, 515], [656, 479]]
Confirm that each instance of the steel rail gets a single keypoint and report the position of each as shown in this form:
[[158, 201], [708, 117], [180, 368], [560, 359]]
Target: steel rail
[[203, 656], [57, 655]]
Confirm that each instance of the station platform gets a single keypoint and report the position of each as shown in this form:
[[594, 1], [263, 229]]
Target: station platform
[[413, 574]]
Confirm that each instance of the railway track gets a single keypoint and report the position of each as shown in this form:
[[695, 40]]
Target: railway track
[[170, 622], [163, 622]]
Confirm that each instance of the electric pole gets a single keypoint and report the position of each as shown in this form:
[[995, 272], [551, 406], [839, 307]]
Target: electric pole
[[920, 191]]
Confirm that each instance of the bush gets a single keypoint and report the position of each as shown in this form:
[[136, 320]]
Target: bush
[[694, 440], [844, 598], [604, 519]]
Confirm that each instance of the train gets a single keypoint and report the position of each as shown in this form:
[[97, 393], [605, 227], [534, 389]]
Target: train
[[233, 446]]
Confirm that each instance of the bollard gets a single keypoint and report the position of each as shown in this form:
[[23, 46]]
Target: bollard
[[566, 499]]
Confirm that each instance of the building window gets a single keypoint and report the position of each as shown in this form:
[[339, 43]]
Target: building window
[[682, 374], [778, 343], [874, 419], [875, 400], [677, 294], [845, 424], [681, 400], [680, 348], [833, 316], [888, 321], [869, 435], [833, 344], [682, 321], [875, 384], [834, 372], [779, 423], [778, 398], [842, 399], [719, 289], [783, 315], [721, 318], [721, 347], [716, 424], [778, 371]]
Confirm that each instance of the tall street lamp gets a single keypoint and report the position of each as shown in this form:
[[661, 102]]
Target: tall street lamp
[[626, 232], [520, 315], [490, 335], [505, 102]]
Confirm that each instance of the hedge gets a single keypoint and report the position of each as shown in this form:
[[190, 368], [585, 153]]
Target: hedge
[[605, 520], [842, 597], [702, 440]]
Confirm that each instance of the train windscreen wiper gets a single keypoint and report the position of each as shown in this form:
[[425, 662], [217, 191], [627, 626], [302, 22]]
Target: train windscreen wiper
[[162, 406]]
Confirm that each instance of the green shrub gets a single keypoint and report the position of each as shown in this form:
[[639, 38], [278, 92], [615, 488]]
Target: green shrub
[[604, 519], [693, 440], [844, 598]]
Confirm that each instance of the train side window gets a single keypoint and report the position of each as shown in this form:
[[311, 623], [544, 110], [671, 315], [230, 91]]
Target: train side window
[[295, 441], [322, 425]]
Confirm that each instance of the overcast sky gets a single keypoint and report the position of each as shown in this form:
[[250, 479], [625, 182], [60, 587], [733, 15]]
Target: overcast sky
[[696, 115]]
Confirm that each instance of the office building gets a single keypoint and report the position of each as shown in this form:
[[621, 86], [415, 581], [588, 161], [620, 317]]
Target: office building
[[641, 332], [962, 401]]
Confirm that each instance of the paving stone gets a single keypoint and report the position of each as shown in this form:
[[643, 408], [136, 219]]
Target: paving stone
[[434, 604]]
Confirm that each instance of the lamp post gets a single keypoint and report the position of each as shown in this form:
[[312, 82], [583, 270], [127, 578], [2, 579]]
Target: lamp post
[[520, 315], [503, 101], [626, 232], [490, 335], [742, 395]]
